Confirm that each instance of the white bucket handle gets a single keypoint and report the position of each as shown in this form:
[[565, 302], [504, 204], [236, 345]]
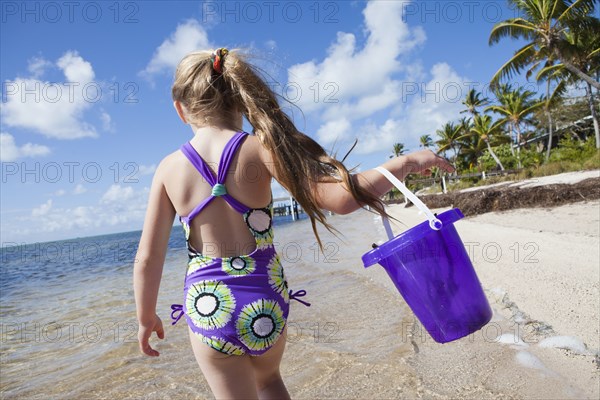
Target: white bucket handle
[[434, 222]]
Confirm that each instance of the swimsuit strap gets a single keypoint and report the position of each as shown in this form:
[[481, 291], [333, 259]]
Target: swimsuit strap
[[217, 182], [197, 161], [228, 154]]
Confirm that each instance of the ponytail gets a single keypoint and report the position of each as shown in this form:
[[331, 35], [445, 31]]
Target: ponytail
[[234, 86]]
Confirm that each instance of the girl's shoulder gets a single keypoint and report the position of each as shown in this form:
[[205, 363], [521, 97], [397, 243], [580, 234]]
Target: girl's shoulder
[[173, 159], [170, 163], [252, 151], [255, 146]]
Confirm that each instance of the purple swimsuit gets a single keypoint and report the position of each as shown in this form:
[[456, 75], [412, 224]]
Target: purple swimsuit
[[236, 305]]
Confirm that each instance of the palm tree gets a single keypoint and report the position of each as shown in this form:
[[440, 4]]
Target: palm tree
[[472, 101], [586, 47], [515, 107], [399, 150], [544, 25], [464, 126], [472, 147], [484, 130], [551, 72], [425, 141], [450, 134]]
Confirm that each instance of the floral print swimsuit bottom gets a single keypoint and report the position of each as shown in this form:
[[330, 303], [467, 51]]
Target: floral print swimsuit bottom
[[236, 305]]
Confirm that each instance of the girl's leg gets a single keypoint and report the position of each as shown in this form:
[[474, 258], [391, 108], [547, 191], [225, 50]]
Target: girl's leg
[[229, 377], [266, 371]]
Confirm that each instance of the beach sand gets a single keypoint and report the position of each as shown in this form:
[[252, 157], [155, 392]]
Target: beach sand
[[540, 271]]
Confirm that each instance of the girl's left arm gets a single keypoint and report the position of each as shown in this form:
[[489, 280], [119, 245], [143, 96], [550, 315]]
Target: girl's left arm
[[149, 260]]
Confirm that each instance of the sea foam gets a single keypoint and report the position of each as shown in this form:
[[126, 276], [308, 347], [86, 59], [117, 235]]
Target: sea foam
[[570, 343], [511, 338], [528, 360]]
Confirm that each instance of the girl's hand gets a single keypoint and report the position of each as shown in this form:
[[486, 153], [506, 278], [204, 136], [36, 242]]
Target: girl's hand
[[422, 161], [144, 333]]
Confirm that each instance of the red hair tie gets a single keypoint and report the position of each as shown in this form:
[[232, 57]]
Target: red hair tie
[[217, 59]]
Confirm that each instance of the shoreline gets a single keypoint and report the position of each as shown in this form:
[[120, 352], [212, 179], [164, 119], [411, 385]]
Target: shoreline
[[549, 191]]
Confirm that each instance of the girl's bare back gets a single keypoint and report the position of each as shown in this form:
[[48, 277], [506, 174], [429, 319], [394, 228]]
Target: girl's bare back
[[219, 231]]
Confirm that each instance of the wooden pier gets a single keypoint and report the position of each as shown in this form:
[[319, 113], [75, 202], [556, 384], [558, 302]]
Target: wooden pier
[[287, 206]]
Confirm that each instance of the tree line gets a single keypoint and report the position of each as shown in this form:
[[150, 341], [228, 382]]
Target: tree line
[[561, 51]]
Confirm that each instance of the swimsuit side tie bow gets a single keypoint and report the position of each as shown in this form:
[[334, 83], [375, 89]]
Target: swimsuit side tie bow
[[176, 308], [299, 293]]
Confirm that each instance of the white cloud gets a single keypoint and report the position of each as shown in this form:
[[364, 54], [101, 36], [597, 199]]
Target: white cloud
[[75, 68], [79, 189], [117, 193], [271, 44], [278, 191], [107, 124], [10, 151], [47, 221], [333, 130], [188, 36], [377, 93], [437, 102], [147, 169], [373, 138], [60, 192], [577, 89], [54, 109], [366, 105], [359, 72], [42, 209], [361, 87], [37, 66]]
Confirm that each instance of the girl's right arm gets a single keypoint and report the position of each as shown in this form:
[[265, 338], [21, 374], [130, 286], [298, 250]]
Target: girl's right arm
[[149, 260], [335, 197]]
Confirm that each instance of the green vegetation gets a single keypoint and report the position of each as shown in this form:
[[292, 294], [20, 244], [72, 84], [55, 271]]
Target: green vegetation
[[515, 130]]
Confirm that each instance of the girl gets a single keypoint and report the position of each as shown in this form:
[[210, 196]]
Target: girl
[[236, 299]]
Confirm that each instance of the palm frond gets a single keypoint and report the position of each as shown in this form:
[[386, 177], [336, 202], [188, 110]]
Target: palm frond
[[514, 28], [531, 108], [579, 9], [518, 61], [498, 110], [559, 91], [555, 10], [549, 72]]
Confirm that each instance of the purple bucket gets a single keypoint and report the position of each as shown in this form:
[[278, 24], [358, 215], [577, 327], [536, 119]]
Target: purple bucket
[[432, 271]]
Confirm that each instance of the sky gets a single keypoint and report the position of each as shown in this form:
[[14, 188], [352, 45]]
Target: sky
[[86, 112]]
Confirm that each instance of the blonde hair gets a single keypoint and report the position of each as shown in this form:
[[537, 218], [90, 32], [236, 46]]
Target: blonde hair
[[299, 161]]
